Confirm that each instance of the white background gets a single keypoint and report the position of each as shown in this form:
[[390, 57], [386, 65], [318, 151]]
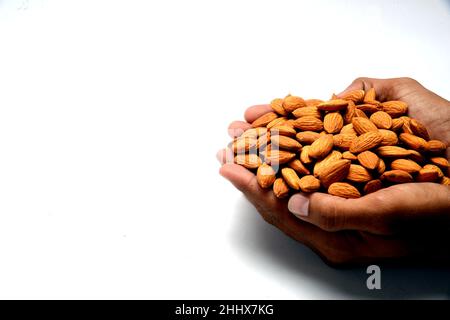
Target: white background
[[110, 116]]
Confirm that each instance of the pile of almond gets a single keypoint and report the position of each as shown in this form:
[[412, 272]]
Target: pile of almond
[[346, 146]]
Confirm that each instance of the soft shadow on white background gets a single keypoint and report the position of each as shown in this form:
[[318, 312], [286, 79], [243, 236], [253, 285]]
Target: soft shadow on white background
[[260, 245]]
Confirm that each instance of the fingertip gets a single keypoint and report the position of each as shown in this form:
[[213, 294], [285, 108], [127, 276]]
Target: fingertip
[[225, 156], [299, 205], [239, 176], [254, 112]]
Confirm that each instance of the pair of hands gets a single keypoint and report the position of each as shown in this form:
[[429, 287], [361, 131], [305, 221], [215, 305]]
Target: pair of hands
[[405, 221]]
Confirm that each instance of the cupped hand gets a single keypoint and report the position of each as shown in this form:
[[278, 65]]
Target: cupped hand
[[403, 221]]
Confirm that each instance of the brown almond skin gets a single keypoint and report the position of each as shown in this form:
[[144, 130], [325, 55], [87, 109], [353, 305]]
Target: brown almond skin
[[394, 108], [414, 142], [427, 175], [280, 188], [249, 161], [286, 143], [276, 157], [336, 171], [348, 155], [322, 146], [292, 103], [309, 183], [277, 106], [358, 173], [319, 165], [298, 166], [397, 176], [354, 95], [397, 124], [348, 129], [291, 178], [350, 112], [435, 168], [368, 159], [366, 141], [264, 120], [369, 108], [382, 120], [304, 155], [392, 152], [363, 125], [283, 130], [265, 176], [435, 146], [333, 105], [405, 165], [275, 122], [381, 167], [419, 129], [370, 95], [343, 141], [373, 186], [307, 137], [308, 123], [389, 137], [344, 190], [440, 162], [307, 111], [333, 122]]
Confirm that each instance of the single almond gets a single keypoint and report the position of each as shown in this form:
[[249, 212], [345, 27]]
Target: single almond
[[254, 132], [370, 95], [307, 137], [368, 159], [381, 119], [419, 129], [309, 183], [397, 176], [392, 152], [333, 122], [397, 124], [283, 131], [350, 112], [344, 190], [348, 129], [333, 105], [276, 122], [298, 166], [321, 147], [308, 123], [313, 102], [277, 106], [304, 155], [307, 111], [440, 162], [381, 167], [427, 175], [276, 157], [436, 146], [265, 175], [343, 141], [389, 137], [349, 156], [336, 171], [369, 107], [435, 168], [362, 125], [414, 142], [243, 144], [406, 128], [286, 143], [291, 178], [405, 165], [394, 108], [280, 188], [264, 120], [416, 156], [333, 156], [358, 173], [354, 95], [372, 186], [366, 141], [292, 103], [249, 161], [361, 114]]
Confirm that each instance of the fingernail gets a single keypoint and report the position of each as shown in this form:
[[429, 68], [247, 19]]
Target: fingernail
[[298, 204]]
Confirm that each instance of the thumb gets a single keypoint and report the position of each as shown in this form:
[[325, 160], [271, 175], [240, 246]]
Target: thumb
[[391, 210]]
